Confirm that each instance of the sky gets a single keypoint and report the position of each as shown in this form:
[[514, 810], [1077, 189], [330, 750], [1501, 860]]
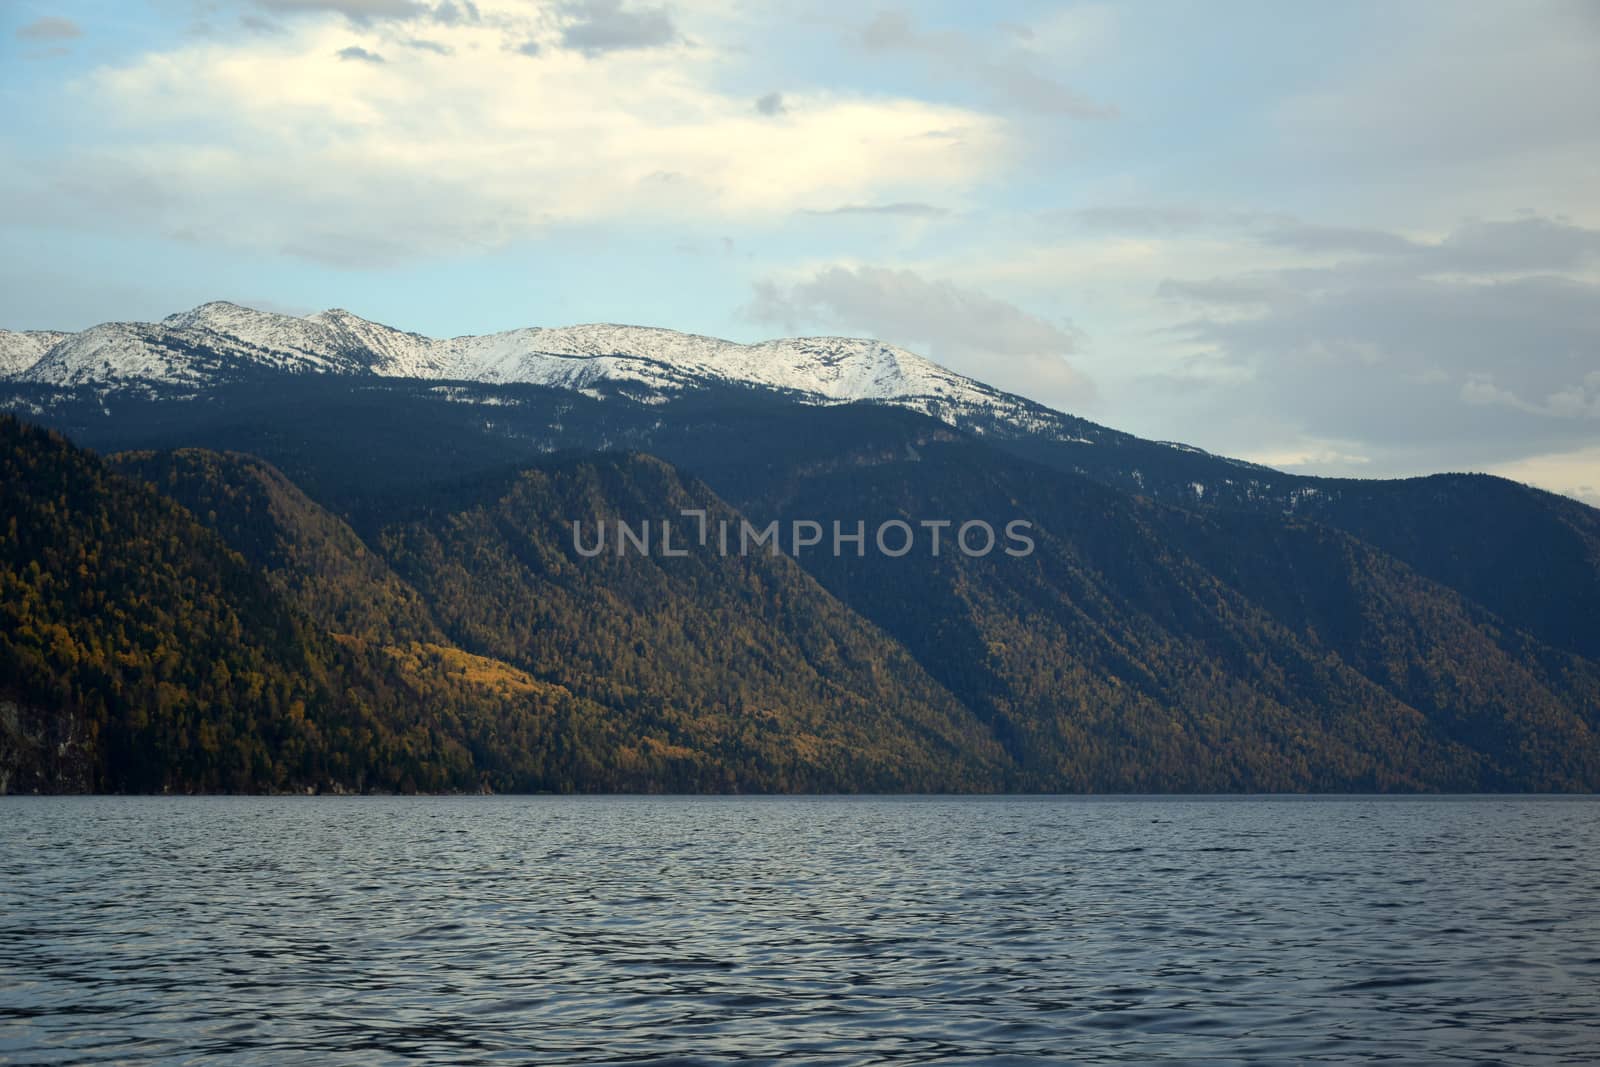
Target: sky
[[1347, 239]]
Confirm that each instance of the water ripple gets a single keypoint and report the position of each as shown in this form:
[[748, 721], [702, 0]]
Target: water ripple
[[819, 931]]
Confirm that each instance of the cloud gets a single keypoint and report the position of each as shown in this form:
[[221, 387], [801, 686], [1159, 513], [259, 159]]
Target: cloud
[[1321, 455], [259, 25], [304, 143], [967, 330], [1577, 401], [1477, 347], [600, 26], [359, 11], [903, 209], [1309, 238], [1494, 247], [771, 104], [50, 28], [422, 44], [1575, 473], [1248, 290], [1529, 243], [1009, 75], [1488, 108], [449, 13], [1165, 219]]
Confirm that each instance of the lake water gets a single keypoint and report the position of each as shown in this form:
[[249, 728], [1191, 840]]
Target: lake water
[[826, 931]]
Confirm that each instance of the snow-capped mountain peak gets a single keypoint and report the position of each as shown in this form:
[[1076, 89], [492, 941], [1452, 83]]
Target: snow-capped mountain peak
[[219, 315], [221, 342]]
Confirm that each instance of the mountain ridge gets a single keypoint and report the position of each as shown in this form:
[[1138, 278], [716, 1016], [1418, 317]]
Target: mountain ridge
[[200, 346], [1142, 647]]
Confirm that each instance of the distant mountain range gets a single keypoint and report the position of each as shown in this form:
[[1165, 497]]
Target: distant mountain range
[[221, 342], [402, 506]]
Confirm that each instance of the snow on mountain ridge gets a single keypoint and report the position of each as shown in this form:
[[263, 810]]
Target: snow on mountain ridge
[[207, 342], [21, 349], [114, 352], [222, 343], [394, 353]]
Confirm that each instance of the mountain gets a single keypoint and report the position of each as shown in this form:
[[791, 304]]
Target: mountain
[[315, 560], [1137, 648], [219, 346], [21, 350], [142, 652], [138, 652], [220, 342], [274, 384], [1187, 621], [1146, 647], [695, 683], [1141, 647]]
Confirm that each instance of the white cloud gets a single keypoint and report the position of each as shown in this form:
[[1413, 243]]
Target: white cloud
[[283, 143], [355, 10], [1321, 456], [902, 209]]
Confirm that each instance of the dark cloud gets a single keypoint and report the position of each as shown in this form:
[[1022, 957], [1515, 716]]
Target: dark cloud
[[50, 28], [526, 48], [356, 52], [772, 104], [905, 209], [596, 27], [1008, 74], [966, 330], [422, 45]]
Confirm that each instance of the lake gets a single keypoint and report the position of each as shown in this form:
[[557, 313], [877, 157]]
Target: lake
[[836, 930]]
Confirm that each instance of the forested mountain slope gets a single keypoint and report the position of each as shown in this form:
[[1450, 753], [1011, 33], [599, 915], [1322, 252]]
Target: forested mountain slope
[[1148, 647], [139, 652], [456, 637], [363, 689], [364, 446]]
